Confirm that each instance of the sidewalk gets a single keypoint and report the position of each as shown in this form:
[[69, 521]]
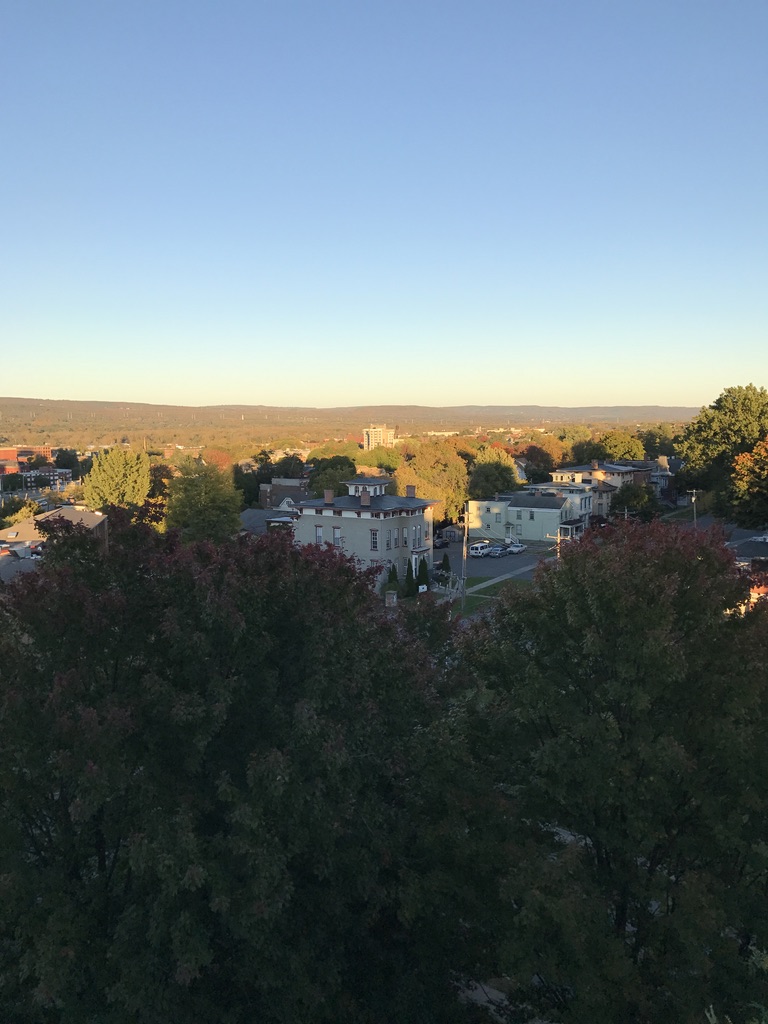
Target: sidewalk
[[492, 580]]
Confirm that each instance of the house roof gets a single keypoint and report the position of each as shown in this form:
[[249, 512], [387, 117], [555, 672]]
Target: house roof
[[523, 500], [378, 503], [367, 481], [602, 467], [27, 529]]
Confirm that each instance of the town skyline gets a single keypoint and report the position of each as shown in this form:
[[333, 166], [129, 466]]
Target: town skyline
[[424, 204]]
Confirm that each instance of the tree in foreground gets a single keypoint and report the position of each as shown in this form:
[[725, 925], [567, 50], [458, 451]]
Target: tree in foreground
[[225, 797], [625, 717], [118, 477], [203, 503]]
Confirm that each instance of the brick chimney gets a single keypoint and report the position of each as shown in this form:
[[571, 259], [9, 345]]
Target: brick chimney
[[410, 490], [595, 464], [365, 498], [328, 495]]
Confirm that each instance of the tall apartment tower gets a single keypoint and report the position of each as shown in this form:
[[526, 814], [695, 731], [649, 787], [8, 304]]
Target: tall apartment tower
[[378, 437]]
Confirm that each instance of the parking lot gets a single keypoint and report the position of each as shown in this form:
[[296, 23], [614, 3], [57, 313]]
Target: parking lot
[[491, 567]]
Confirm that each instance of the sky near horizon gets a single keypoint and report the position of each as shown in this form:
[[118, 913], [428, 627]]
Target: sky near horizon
[[433, 202]]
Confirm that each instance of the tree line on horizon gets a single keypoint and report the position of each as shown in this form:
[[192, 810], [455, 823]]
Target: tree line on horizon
[[723, 452]]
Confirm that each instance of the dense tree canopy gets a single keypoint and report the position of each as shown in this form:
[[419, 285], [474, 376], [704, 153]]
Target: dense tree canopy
[[733, 424], [626, 715], [203, 503], [118, 477], [748, 494], [658, 440], [437, 471], [328, 474], [619, 444], [635, 498], [494, 472], [223, 798]]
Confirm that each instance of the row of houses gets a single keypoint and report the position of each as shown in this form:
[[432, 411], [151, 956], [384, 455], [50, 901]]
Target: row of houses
[[564, 508]]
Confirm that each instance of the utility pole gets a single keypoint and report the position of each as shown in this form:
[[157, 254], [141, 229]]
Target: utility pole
[[693, 493], [557, 542], [464, 556]]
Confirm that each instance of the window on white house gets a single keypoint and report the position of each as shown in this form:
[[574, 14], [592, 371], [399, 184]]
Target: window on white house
[[498, 517], [397, 536], [374, 540], [519, 513], [531, 515], [487, 509], [318, 535], [389, 540], [337, 536]]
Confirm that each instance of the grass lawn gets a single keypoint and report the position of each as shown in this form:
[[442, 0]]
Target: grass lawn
[[484, 598]]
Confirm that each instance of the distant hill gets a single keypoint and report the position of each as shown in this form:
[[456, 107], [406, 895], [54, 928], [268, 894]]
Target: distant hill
[[34, 420]]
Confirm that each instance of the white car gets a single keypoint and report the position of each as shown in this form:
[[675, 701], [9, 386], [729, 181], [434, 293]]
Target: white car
[[479, 550], [515, 548]]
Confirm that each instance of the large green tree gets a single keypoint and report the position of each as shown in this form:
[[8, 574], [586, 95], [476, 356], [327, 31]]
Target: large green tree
[[118, 477], [619, 444], [203, 502], [328, 474], [625, 715], [437, 471], [733, 424], [635, 498], [748, 493], [223, 799]]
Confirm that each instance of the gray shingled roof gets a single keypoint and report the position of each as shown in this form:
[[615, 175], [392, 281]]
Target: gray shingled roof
[[523, 500], [379, 503]]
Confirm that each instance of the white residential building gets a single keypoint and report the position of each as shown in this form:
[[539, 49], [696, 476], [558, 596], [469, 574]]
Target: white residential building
[[377, 528], [539, 512]]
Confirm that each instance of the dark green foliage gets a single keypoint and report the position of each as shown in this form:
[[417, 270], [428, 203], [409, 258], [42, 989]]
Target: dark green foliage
[[248, 484], [658, 440], [12, 482], [445, 565], [489, 478], [328, 474], [625, 715], [733, 424], [290, 467], [410, 588], [422, 576], [619, 444], [66, 458], [203, 503], [588, 451], [635, 499]]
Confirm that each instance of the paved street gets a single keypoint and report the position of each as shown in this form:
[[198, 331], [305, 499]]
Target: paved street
[[493, 568]]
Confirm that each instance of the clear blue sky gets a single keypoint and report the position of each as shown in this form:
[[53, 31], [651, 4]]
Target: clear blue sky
[[316, 202]]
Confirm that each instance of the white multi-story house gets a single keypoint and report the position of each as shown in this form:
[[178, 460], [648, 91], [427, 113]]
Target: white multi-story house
[[539, 512], [377, 528]]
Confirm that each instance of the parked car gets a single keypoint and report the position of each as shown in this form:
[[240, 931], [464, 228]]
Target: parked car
[[497, 551], [479, 550], [440, 542], [515, 548]]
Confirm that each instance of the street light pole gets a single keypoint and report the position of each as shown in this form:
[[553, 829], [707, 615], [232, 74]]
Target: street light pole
[[694, 492], [464, 556]]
